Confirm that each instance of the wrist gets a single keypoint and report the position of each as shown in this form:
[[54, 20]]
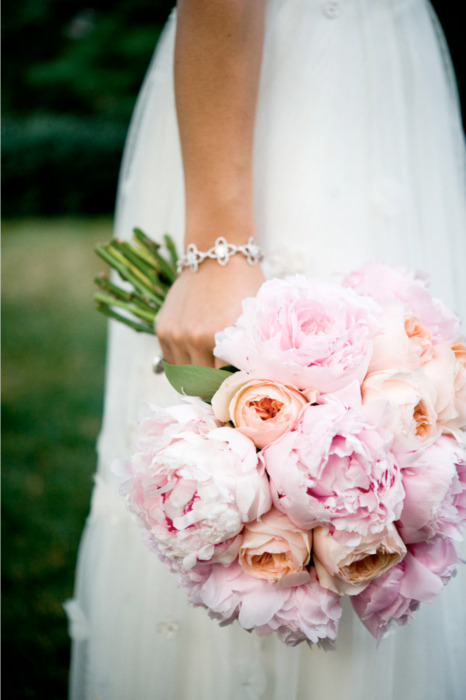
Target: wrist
[[222, 252], [230, 217]]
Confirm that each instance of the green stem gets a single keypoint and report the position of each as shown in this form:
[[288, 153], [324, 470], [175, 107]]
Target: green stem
[[148, 316], [171, 247], [107, 286], [118, 317], [150, 245], [119, 252], [131, 254], [167, 269], [126, 274]]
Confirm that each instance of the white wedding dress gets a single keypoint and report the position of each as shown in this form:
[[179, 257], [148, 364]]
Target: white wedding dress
[[358, 155]]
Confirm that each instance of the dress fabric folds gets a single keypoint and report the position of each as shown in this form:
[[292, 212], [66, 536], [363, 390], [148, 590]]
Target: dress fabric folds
[[358, 156]]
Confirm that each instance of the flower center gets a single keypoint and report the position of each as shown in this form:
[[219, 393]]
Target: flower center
[[367, 566], [267, 560], [266, 408], [421, 418]]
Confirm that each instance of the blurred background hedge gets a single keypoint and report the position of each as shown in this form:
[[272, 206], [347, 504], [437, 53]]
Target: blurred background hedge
[[70, 78], [71, 74]]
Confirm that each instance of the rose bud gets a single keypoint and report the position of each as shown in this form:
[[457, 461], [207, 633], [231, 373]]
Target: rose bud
[[274, 548], [349, 570], [261, 409]]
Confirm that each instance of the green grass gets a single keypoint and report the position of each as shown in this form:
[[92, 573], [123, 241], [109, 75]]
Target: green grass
[[53, 368]]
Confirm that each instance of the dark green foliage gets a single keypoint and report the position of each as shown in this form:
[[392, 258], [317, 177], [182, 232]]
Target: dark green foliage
[[70, 79], [60, 163], [76, 58]]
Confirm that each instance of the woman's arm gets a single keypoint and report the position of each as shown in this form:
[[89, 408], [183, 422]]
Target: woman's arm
[[217, 67]]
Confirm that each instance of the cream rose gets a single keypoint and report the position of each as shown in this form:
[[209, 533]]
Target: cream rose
[[420, 337], [348, 570], [412, 396], [402, 341], [261, 409], [447, 371], [274, 549]]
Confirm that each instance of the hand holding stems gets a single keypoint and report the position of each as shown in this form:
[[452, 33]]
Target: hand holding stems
[[217, 67], [200, 304]]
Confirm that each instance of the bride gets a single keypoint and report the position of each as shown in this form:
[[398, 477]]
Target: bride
[[329, 131]]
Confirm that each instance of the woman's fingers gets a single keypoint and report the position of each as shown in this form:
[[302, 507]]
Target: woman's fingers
[[185, 348], [201, 304]]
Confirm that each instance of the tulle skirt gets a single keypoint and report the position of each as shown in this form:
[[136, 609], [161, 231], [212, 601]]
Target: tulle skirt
[[358, 155]]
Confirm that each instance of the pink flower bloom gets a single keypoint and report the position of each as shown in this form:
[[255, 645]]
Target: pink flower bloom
[[303, 333], [310, 614], [335, 468], [229, 593], [383, 282], [435, 486], [260, 409], [194, 488], [158, 427], [420, 577], [349, 570], [302, 613]]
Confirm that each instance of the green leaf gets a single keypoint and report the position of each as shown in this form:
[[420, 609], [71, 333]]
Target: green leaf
[[195, 380]]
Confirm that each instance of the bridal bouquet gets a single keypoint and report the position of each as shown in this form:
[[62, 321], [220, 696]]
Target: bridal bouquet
[[326, 459]]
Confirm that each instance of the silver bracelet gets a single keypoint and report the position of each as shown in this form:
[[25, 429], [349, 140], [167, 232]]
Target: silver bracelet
[[222, 251]]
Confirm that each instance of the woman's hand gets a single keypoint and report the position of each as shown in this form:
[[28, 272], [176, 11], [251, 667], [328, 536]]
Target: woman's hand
[[201, 303]]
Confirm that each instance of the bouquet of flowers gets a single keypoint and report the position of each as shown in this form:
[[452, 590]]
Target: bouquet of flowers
[[326, 459]]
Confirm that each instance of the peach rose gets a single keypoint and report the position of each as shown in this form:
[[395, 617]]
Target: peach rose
[[447, 371], [274, 548], [420, 337], [412, 397], [261, 409], [348, 570], [402, 341]]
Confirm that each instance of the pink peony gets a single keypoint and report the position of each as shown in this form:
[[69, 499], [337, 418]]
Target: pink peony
[[274, 548], [420, 577], [435, 486], [157, 427], [194, 488], [230, 593], [335, 468], [303, 333], [262, 410], [384, 282], [349, 570], [311, 614], [302, 613]]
